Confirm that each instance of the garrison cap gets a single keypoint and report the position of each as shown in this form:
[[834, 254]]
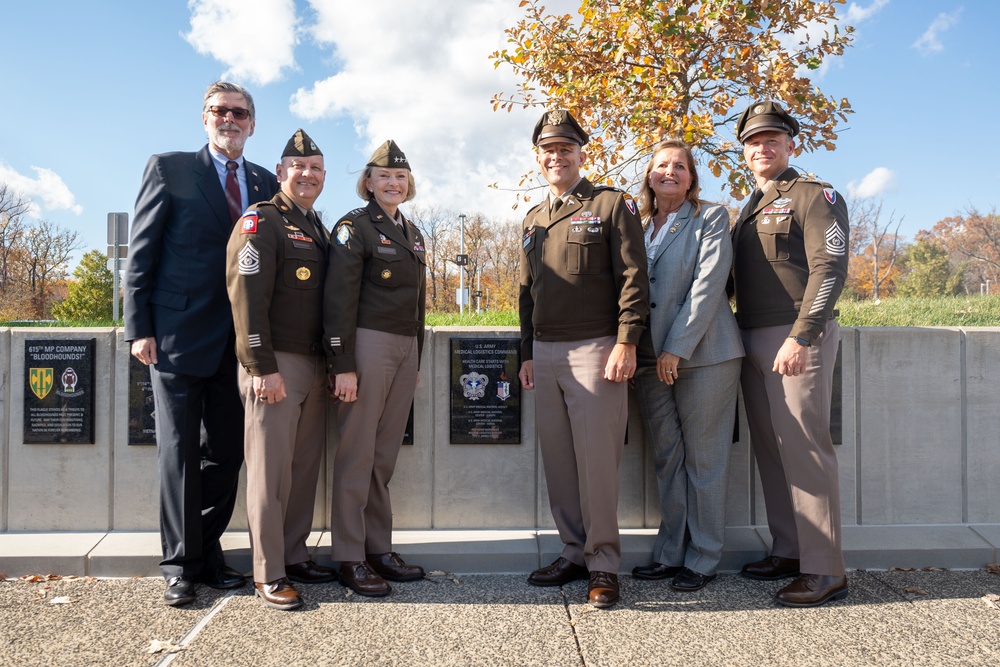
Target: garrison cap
[[765, 116], [558, 125], [389, 156], [301, 145]]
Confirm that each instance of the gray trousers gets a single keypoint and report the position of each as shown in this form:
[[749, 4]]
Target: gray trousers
[[789, 419], [690, 427], [581, 431]]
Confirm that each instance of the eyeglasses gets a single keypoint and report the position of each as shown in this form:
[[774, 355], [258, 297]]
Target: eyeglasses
[[238, 114]]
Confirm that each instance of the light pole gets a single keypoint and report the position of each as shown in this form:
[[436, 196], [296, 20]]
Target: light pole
[[462, 259]]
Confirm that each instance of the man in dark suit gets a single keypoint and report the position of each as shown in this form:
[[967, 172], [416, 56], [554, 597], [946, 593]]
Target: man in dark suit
[[178, 319]]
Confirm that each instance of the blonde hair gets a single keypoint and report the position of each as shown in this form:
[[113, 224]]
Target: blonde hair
[[362, 188], [647, 198]]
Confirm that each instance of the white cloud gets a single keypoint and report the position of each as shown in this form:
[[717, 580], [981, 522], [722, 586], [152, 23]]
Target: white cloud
[[876, 182], [813, 32], [930, 41], [47, 191], [430, 91], [254, 38]]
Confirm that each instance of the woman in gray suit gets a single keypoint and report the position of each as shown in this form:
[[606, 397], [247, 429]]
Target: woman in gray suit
[[689, 367]]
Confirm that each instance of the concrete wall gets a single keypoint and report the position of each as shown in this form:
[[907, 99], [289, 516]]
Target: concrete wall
[[919, 414]]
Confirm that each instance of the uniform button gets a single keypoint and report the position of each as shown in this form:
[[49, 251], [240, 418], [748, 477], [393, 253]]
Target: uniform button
[[652, 305], [652, 280]]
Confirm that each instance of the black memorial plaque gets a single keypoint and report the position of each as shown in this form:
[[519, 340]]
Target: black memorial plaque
[[485, 401], [141, 414], [59, 391]]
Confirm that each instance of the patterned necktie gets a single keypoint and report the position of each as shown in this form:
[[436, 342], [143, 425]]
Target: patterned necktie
[[233, 191]]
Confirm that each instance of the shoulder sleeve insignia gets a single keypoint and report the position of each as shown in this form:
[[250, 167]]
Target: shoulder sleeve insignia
[[249, 260], [344, 233], [630, 204], [830, 194], [249, 223]]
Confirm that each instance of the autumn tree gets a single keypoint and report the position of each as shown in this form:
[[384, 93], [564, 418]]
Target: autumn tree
[[929, 272], [636, 71], [875, 245], [440, 247], [90, 293], [972, 241]]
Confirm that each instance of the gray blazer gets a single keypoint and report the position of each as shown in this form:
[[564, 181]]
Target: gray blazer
[[689, 312]]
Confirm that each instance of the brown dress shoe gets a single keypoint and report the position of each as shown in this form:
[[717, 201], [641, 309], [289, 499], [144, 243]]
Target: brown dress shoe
[[392, 567], [812, 590], [558, 573], [278, 594], [655, 571], [308, 572], [771, 568], [359, 577], [603, 590]]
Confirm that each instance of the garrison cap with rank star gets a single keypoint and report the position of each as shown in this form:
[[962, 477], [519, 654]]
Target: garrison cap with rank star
[[765, 116], [558, 125]]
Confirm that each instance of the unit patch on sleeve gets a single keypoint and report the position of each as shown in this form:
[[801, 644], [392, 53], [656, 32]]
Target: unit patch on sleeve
[[830, 194], [249, 264], [249, 223]]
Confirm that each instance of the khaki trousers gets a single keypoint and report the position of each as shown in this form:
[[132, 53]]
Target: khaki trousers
[[581, 433], [284, 445], [789, 420]]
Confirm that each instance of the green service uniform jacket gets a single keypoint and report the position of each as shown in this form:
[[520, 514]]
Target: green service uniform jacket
[[583, 270], [790, 263], [377, 280], [275, 272]]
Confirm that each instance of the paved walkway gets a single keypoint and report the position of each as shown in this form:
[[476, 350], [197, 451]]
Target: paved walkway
[[890, 618]]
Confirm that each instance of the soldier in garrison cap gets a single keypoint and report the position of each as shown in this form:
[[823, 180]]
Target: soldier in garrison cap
[[373, 323], [583, 304], [275, 275], [790, 263]]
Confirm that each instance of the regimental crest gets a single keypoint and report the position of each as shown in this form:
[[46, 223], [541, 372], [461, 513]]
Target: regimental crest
[[69, 379], [473, 385], [503, 387], [40, 380], [836, 240], [249, 260]]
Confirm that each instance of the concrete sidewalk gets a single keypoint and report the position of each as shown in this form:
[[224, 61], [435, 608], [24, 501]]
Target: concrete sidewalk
[[890, 618]]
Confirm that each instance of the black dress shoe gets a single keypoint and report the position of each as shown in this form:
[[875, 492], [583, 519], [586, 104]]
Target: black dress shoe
[[308, 572], [278, 594], [812, 590], [655, 571], [360, 578], [180, 591], [603, 590], [223, 577], [558, 573], [688, 580], [771, 568], [392, 567]]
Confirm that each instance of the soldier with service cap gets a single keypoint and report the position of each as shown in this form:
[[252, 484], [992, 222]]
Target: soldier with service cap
[[790, 247], [373, 323], [275, 276], [583, 304]]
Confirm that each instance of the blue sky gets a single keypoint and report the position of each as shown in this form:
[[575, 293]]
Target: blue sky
[[93, 89]]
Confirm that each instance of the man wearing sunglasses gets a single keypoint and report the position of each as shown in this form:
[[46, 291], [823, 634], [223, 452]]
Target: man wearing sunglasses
[[179, 323]]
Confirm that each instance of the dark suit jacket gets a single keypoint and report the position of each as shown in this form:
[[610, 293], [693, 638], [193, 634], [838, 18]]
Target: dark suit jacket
[[175, 283]]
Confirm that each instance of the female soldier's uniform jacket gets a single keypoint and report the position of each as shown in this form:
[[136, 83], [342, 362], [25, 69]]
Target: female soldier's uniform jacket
[[583, 269], [791, 256], [377, 280], [275, 271]]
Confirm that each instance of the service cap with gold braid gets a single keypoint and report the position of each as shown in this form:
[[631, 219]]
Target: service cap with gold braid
[[765, 116], [558, 125], [389, 156], [301, 145]]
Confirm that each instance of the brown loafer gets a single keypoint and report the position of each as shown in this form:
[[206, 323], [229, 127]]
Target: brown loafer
[[603, 590], [392, 567], [771, 568], [308, 572], [560, 572], [359, 577], [278, 594], [812, 590], [655, 571]]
